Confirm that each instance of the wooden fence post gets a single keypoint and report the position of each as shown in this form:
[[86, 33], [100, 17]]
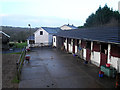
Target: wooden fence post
[[20, 63]]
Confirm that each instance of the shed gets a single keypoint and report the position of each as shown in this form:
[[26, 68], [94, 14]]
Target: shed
[[100, 45], [5, 40], [44, 36]]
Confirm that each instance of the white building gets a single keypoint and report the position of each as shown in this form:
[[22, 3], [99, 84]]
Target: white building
[[42, 37], [68, 27]]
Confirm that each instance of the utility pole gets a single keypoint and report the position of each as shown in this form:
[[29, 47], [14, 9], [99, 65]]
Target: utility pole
[[119, 7], [30, 34]]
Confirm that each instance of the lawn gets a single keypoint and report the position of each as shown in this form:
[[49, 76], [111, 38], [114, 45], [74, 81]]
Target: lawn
[[20, 45]]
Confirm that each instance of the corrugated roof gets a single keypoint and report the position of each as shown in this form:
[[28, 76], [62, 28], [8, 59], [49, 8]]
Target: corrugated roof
[[105, 34], [51, 30]]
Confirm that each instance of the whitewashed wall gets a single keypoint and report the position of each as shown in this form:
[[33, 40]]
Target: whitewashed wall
[[54, 43], [41, 38], [27, 42], [65, 28], [108, 57], [84, 53], [119, 65], [69, 45], [95, 58], [65, 44], [114, 62], [76, 49]]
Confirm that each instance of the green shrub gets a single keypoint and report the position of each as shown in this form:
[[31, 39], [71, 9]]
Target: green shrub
[[21, 45]]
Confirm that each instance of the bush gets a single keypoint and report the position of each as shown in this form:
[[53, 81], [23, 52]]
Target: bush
[[11, 44], [21, 45], [18, 41], [23, 40]]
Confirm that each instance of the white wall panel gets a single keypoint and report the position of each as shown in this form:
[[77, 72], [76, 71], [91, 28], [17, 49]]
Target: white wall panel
[[95, 58]]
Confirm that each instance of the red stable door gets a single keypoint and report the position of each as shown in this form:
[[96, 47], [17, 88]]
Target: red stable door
[[73, 45], [103, 59], [88, 54], [73, 48], [67, 44]]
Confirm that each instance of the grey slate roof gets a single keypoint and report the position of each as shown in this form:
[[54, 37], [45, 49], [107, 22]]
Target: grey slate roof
[[103, 34], [51, 30], [31, 38]]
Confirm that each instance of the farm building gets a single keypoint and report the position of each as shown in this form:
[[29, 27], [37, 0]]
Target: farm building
[[42, 37], [96, 45], [5, 40], [31, 41], [68, 27]]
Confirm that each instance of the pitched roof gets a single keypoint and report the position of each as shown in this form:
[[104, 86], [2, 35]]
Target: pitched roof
[[31, 37], [51, 30], [71, 26], [5, 34], [103, 34]]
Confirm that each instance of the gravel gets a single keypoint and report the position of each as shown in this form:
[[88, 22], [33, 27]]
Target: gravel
[[9, 70]]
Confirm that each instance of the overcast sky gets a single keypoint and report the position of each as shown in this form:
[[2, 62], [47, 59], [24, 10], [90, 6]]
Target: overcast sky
[[53, 13]]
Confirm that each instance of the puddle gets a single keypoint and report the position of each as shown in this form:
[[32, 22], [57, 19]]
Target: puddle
[[48, 86]]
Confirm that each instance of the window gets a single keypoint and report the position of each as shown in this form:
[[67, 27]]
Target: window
[[41, 32]]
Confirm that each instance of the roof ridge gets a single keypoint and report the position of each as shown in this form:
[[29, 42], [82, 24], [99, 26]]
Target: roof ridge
[[4, 34]]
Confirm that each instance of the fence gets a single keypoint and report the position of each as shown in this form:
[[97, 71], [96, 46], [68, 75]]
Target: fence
[[20, 62]]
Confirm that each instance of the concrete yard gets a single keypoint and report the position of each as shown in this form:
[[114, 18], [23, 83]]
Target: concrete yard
[[53, 68]]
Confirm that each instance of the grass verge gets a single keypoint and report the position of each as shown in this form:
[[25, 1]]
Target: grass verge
[[13, 53], [21, 45], [15, 80]]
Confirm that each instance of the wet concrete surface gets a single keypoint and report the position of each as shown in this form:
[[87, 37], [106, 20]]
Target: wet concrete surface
[[52, 68]]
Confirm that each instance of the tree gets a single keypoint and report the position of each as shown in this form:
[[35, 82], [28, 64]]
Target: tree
[[102, 16], [18, 33]]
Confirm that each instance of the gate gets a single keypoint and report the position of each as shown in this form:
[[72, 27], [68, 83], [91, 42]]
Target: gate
[[88, 54]]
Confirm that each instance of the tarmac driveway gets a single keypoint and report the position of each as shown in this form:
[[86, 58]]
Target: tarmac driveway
[[52, 68]]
